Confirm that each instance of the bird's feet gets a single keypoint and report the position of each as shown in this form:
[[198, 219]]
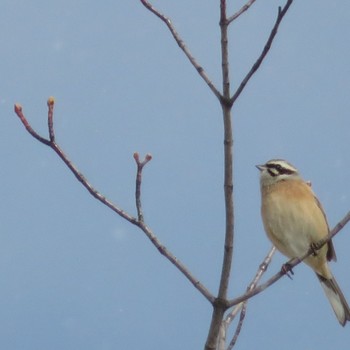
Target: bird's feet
[[287, 270], [314, 247]]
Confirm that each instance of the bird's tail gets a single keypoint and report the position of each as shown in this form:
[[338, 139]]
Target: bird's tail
[[336, 298]]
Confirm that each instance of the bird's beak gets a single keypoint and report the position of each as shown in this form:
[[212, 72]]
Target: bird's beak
[[261, 167]]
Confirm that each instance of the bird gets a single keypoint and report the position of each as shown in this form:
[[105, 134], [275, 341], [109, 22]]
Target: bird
[[295, 221]]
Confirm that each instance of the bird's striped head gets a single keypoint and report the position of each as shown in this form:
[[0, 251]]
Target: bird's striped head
[[276, 170]]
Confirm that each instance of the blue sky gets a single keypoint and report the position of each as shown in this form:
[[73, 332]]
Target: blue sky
[[74, 275]]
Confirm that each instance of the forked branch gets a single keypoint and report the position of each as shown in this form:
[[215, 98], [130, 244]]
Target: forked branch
[[140, 164], [139, 221], [52, 144]]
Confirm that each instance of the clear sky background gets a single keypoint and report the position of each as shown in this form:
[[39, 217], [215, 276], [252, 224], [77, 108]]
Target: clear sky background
[[73, 274]]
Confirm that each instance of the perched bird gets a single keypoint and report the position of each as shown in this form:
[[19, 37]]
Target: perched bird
[[294, 220]]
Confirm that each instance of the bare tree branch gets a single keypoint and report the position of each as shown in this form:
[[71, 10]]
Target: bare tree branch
[[228, 159], [220, 304], [240, 11], [175, 261], [51, 143], [255, 67], [224, 326], [291, 264], [135, 221], [50, 105], [183, 47], [239, 326], [19, 112], [241, 307], [140, 164], [262, 269]]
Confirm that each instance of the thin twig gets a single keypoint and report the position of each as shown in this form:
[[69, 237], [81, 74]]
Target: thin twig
[[175, 261], [291, 264], [225, 68], [262, 269], [19, 112], [224, 326], [96, 194], [140, 164], [135, 221], [183, 47], [256, 65], [240, 11], [239, 326], [50, 105]]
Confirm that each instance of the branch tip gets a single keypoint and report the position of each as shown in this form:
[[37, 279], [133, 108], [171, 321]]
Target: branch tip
[[140, 163], [50, 101], [18, 108], [136, 157]]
